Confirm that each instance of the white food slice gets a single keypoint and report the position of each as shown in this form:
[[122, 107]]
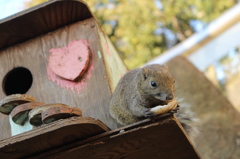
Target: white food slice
[[164, 108]]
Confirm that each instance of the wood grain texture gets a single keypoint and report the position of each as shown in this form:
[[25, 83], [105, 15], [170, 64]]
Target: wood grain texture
[[93, 98], [49, 136], [219, 122], [114, 65], [162, 138], [41, 19]]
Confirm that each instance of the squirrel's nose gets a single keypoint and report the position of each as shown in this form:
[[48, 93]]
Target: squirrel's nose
[[169, 97]]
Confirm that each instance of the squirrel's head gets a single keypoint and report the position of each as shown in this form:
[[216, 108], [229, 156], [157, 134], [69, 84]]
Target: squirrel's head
[[157, 82]]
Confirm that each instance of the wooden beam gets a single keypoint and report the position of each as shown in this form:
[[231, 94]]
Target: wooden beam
[[41, 19], [162, 138], [50, 136]]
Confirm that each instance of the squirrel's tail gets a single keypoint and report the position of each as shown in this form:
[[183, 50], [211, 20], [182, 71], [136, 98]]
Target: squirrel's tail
[[188, 120]]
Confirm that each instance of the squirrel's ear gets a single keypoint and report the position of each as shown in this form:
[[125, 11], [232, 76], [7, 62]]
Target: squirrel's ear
[[165, 66], [144, 73]]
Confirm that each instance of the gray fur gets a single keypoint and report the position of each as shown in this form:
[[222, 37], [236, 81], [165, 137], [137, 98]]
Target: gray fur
[[135, 95]]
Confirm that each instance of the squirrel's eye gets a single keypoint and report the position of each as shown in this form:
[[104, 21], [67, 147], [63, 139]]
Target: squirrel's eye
[[153, 84]]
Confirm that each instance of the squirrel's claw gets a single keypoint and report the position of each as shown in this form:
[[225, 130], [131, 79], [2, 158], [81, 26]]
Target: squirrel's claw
[[149, 114], [174, 110]]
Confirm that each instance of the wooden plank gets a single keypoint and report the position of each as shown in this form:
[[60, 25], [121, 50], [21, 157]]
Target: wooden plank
[[114, 65], [41, 19], [91, 94], [50, 136], [161, 138]]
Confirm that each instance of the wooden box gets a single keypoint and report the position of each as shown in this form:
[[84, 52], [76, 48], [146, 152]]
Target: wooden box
[[29, 43]]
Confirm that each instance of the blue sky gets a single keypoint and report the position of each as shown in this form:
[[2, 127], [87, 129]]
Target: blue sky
[[9, 7]]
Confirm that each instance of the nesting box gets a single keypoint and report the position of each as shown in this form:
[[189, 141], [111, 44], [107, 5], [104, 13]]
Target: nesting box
[[58, 53]]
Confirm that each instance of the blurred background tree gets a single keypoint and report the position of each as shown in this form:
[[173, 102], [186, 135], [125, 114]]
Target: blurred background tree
[[143, 29]]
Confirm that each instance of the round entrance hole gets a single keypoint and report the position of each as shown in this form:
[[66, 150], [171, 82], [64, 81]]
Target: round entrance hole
[[18, 80]]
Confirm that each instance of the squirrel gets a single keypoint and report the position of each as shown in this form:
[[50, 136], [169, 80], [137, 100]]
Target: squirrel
[[141, 90]]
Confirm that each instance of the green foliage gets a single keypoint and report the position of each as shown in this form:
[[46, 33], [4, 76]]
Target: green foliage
[[131, 24]]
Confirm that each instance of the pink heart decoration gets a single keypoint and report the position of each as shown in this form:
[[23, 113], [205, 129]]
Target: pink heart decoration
[[70, 62]]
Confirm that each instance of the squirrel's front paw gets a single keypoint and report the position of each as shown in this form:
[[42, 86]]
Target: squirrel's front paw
[[174, 110], [148, 113]]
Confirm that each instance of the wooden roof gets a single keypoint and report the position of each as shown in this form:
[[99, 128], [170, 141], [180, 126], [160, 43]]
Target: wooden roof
[[41, 19], [83, 137]]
